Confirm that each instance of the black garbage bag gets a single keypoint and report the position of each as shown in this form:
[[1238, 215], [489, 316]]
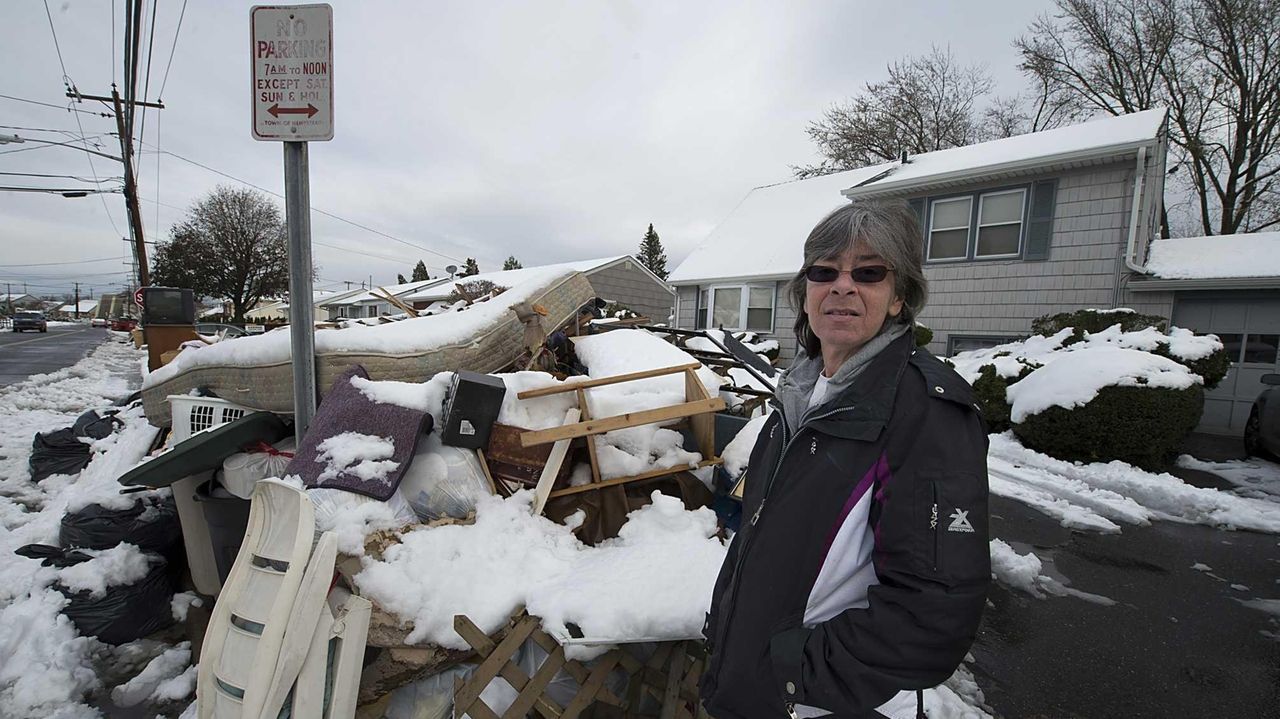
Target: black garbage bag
[[121, 614], [57, 452], [151, 524], [96, 425]]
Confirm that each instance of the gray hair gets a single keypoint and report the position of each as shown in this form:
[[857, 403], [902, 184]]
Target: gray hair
[[891, 230]]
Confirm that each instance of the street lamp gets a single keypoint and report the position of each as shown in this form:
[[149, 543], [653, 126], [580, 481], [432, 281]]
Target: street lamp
[[6, 139]]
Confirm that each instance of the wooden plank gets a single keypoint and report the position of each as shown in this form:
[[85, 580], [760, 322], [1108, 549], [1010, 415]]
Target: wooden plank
[[587, 694], [703, 425], [634, 478], [602, 381], [484, 467], [395, 302], [534, 692], [671, 696], [514, 675], [591, 438], [549, 472], [622, 421], [493, 663]]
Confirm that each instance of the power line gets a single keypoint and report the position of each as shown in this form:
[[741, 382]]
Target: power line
[[63, 177], [146, 85], [313, 207], [56, 107], [59, 191], [72, 262], [55, 41], [168, 65]]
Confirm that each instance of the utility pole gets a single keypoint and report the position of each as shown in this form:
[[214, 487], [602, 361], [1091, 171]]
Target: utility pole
[[77, 300], [124, 109], [8, 295]]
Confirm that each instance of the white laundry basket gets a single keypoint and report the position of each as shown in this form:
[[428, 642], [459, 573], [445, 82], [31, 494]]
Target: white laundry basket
[[193, 414]]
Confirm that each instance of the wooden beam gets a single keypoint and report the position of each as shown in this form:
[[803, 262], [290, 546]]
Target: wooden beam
[[622, 421], [591, 438], [633, 478], [602, 381], [552, 468]]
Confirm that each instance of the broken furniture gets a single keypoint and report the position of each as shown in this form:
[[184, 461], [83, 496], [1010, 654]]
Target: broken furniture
[[278, 633], [698, 408], [730, 354], [667, 681]]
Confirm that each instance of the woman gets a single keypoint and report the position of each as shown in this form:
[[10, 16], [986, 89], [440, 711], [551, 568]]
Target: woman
[[861, 574]]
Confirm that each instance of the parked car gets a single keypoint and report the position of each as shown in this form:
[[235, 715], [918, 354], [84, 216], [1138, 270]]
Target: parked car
[[98, 322], [123, 324], [29, 320], [1262, 431], [220, 330]]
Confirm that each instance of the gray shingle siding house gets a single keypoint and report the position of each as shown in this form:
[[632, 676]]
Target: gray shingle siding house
[[1013, 229]]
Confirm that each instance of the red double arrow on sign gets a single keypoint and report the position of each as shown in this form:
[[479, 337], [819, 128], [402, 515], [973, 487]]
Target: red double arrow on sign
[[310, 110]]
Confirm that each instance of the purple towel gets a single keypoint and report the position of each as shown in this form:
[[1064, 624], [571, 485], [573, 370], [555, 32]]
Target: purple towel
[[357, 444]]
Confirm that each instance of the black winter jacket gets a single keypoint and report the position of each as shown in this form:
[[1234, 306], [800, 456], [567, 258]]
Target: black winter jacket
[[907, 423]]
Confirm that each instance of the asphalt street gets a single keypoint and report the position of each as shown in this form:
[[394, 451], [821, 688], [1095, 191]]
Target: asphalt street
[[1178, 642], [23, 354]]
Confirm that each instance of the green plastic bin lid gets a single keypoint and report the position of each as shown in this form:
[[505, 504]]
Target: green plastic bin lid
[[205, 450]]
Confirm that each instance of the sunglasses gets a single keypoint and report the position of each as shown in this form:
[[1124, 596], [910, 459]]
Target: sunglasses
[[866, 275]]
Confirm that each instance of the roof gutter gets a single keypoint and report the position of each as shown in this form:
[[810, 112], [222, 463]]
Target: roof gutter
[[1139, 182], [1205, 283]]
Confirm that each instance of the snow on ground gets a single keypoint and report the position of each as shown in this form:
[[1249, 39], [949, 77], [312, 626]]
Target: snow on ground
[[1098, 495], [1075, 383], [46, 667], [1254, 478]]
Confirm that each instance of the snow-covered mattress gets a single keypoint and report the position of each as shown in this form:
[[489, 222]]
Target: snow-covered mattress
[[256, 371]]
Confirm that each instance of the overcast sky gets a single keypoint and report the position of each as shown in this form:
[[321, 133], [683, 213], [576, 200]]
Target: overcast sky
[[553, 131]]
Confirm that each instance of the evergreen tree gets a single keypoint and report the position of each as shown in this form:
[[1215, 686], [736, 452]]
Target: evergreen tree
[[400, 279], [652, 255], [471, 268], [512, 264], [420, 272]]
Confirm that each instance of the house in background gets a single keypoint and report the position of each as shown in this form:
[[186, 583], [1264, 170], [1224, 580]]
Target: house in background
[[620, 279], [360, 303], [17, 300], [1012, 229]]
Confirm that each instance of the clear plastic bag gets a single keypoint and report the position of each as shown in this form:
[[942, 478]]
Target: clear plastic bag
[[241, 471], [443, 481]]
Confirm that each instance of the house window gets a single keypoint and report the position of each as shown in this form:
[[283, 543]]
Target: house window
[[1261, 348], [1000, 223], [736, 307], [987, 225], [1232, 343], [949, 229], [968, 343]]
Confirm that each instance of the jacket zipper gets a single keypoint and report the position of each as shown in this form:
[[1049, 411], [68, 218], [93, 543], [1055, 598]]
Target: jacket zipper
[[933, 523], [732, 591]]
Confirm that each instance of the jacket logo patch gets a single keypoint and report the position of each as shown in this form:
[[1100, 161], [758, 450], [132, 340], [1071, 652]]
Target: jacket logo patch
[[960, 521], [813, 447], [933, 517]]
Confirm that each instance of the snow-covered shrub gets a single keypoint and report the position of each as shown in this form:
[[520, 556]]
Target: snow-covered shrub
[[1094, 321], [1142, 426], [990, 387], [1105, 403]]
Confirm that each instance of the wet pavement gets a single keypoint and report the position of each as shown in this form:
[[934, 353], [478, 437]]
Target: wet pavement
[[1178, 642], [23, 354]]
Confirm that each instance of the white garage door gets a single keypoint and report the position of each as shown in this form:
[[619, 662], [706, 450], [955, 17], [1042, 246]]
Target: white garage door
[[1249, 325]]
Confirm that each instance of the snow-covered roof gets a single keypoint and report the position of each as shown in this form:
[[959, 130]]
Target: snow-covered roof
[[764, 235], [356, 298], [85, 306], [1216, 257], [510, 278], [1093, 140]]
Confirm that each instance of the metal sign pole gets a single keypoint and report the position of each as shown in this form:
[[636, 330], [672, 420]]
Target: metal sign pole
[[297, 210]]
